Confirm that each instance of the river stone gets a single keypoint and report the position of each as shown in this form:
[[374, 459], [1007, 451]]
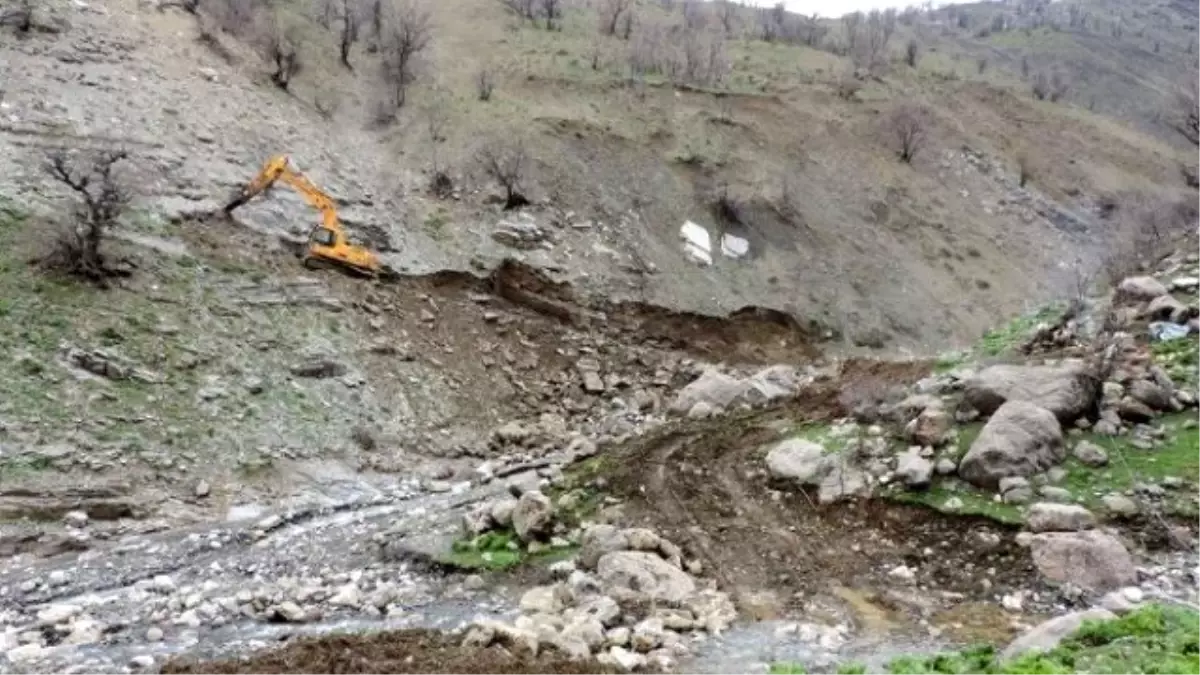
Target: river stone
[[532, 516], [1046, 635], [1091, 560], [1021, 439]]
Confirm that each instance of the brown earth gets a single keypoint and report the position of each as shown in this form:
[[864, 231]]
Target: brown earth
[[405, 651], [699, 484]]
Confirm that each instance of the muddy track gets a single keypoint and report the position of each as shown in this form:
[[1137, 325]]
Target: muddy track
[[703, 483]]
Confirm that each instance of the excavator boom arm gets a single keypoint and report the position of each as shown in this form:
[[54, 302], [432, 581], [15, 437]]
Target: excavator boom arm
[[277, 169]]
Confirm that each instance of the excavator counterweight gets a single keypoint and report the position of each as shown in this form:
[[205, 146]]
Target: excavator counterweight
[[327, 244]]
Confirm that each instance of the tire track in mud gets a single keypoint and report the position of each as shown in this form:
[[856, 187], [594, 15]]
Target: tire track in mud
[[708, 490]]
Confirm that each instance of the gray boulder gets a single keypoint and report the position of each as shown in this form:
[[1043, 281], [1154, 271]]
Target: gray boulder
[[1067, 390], [797, 459], [1049, 517], [1141, 288], [1021, 439], [1046, 635], [1090, 454], [598, 540], [931, 427], [1092, 560], [1152, 394], [643, 576], [713, 388], [532, 516], [913, 469]]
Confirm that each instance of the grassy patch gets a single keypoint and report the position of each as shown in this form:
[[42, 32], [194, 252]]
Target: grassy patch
[[1153, 639], [1180, 358], [500, 550], [786, 668], [1009, 336], [1128, 466]]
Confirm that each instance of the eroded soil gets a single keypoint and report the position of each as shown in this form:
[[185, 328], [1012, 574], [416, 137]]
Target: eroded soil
[[405, 651]]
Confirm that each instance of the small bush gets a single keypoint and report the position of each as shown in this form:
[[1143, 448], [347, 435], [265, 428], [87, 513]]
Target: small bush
[[485, 84], [908, 124], [505, 163], [912, 52]]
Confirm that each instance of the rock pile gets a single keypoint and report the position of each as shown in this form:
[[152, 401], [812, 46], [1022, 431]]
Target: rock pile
[[628, 599]]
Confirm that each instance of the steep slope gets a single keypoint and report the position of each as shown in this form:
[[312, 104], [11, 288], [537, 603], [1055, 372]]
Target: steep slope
[[857, 244]]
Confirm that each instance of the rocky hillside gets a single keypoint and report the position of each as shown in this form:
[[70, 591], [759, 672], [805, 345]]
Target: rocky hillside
[[787, 146]]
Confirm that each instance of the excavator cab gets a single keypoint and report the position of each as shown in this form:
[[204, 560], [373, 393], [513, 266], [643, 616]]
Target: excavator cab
[[327, 244]]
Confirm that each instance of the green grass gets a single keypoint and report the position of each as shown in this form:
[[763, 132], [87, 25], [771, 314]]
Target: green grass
[[1152, 639], [1180, 358], [786, 668], [1009, 336], [1128, 465], [500, 550]]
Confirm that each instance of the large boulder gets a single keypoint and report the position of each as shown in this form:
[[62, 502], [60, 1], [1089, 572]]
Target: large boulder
[[797, 459], [1068, 390], [771, 383], [1092, 560], [807, 464], [712, 387], [597, 540], [1152, 394], [532, 516], [1046, 635], [1141, 288], [641, 575], [1021, 439]]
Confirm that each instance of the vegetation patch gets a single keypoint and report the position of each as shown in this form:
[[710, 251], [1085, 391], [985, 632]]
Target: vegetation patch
[[1129, 465], [1155, 638], [1180, 358], [501, 550]]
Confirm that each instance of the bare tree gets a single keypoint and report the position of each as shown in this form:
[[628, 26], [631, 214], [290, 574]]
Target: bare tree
[[850, 25], [907, 123], [437, 118], [280, 46], [727, 12], [19, 16], [101, 200], [485, 83], [625, 29], [1187, 115], [912, 52], [349, 34], [1050, 87], [811, 31], [694, 15], [611, 12], [847, 85], [768, 27], [552, 11], [407, 33], [505, 163], [526, 9]]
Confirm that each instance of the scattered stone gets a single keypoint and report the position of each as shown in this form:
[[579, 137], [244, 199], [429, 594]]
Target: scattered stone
[[154, 634], [202, 489], [1152, 394], [1090, 454], [546, 599], [1123, 601], [712, 387], [913, 469], [319, 367], [904, 573], [1046, 636], [946, 466], [1056, 494], [931, 427], [1049, 517], [142, 662], [56, 614], [347, 596], [289, 612], [1119, 505], [76, 519]]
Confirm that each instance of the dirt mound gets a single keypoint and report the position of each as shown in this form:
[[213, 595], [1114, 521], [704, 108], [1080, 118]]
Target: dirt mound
[[405, 651]]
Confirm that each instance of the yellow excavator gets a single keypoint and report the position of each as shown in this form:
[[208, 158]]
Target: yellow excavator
[[327, 244]]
